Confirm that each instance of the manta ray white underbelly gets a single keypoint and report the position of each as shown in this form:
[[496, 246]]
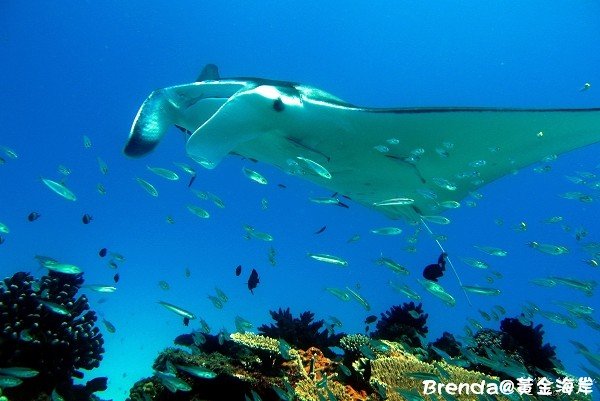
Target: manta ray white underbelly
[[372, 155]]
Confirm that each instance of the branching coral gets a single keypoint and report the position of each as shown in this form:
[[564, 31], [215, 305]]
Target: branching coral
[[256, 342], [404, 323], [302, 332], [47, 328], [352, 343], [405, 372]]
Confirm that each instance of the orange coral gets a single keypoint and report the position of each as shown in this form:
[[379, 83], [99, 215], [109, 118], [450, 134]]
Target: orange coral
[[355, 395], [315, 367], [314, 363]]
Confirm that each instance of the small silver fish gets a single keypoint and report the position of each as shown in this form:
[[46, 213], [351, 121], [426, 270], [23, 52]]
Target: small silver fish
[[326, 258], [198, 211], [197, 371], [387, 231], [101, 288], [87, 142], [147, 186], [254, 176], [490, 250], [60, 189], [61, 267], [341, 294], [481, 290], [177, 310], [102, 166], [56, 308], [316, 167], [17, 371], [395, 202], [164, 173]]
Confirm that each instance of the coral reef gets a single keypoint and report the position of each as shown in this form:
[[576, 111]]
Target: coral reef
[[249, 366], [520, 345], [353, 344], [256, 342], [302, 332], [528, 342], [403, 371], [404, 323], [47, 328], [446, 343]]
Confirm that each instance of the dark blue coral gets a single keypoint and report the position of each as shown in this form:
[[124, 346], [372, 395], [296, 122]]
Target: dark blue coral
[[32, 335]]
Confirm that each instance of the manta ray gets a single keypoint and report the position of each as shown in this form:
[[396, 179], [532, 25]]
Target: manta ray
[[404, 162]]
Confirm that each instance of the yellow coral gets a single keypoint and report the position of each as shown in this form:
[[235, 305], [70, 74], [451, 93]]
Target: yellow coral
[[391, 374], [256, 342], [307, 390]]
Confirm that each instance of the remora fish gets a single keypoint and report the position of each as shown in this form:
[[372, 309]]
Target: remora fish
[[274, 121]]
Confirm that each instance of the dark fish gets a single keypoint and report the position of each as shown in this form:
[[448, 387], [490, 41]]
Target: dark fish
[[102, 253], [370, 319], [184, 339], [33, 216], [320, 230], [192, 180], [1, 239], [116, 277], [342, 204], [253, 280], [86, 219], [238, 270], [186, 321], [281, 186], [434, 271]]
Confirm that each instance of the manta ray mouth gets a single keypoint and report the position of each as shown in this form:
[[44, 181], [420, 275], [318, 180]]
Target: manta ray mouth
[[187, 107]]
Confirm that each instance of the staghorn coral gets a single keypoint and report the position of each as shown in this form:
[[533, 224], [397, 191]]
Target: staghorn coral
[[309, 390], [57, 343], [302, 332], [353, 342], [398, 324], [398, 372]]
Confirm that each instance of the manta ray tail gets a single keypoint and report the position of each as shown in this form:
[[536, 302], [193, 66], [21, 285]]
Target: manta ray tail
[[448, 259]]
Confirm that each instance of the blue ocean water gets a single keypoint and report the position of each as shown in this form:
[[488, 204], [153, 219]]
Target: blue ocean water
[[83, 68]]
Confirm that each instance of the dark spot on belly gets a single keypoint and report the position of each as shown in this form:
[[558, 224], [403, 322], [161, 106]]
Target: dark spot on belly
[[278, 105]]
